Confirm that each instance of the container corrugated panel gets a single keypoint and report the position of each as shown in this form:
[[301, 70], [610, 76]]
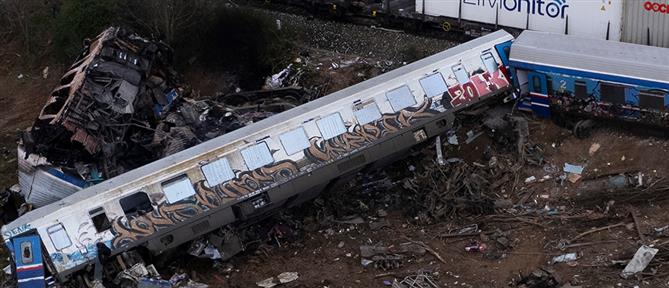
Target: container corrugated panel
[[598, 19], [646, 22]]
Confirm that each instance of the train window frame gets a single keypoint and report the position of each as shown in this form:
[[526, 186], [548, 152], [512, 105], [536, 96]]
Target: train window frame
[[331, 126], [294, 140], [609, 98], [400, 98], [99, 219], [457, 70], [27, 259], [58, 236], [177, 188], [655, 95], [536, 84], [428, 85], [490, 68], [217, 171], [366, 113], [582, 84], [134, 211], [257, 155]]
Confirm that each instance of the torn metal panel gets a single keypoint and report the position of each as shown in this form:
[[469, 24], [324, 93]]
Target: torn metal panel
[[43, 184]]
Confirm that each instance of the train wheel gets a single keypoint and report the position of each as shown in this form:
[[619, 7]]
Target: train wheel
[[583, 128], [446, 26]]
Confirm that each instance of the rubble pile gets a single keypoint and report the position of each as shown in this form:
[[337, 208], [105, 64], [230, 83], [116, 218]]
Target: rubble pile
[[443, 191]]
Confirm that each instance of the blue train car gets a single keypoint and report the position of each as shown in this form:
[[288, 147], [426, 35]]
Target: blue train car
[[588, 78]]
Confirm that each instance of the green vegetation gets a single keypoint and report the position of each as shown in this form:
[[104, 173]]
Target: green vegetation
[[203, 32], [80, 19]]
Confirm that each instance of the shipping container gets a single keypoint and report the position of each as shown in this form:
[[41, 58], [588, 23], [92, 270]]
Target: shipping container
[[588, 18], [646, 22]]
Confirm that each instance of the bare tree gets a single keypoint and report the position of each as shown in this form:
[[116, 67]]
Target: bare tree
[[168, 17], [19, 19]]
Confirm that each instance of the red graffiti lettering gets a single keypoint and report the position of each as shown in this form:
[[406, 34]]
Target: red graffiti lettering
[[499, 79], [462, 94], [656, 7]]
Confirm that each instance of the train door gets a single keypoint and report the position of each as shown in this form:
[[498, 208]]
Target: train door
[[504, 50], [538, 87], [28, 259]]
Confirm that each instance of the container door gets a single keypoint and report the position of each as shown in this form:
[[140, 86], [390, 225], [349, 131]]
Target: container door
[[28, 259], [539, 94]]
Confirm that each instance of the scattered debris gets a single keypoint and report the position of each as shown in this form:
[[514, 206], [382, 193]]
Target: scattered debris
[[471, 136], [422, 279], [542, 278], [640, 261], [593, 149], [476, 246], [440, 154], [569, 257], [287, 277], [575, 169]]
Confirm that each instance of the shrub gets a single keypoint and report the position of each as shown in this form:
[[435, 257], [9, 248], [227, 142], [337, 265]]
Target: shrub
[[80, 19]]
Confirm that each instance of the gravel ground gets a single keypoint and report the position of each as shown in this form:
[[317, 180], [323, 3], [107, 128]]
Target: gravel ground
[[359, 40]]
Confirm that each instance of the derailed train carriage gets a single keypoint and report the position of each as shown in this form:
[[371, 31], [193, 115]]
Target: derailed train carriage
[[579, 80], [251, 172]]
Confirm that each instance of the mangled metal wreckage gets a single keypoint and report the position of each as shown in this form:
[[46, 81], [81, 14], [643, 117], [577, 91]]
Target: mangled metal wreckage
[[95, 122], [217, 187], [120, 106]]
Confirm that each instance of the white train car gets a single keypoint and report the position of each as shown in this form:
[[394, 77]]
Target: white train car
[[257, 169], [635, 21]]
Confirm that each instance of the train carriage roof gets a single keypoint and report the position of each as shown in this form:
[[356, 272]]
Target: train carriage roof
[[596, 58], [112, 188]]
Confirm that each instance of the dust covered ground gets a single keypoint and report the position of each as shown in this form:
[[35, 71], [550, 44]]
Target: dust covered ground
[[416, 211], [540, 221]]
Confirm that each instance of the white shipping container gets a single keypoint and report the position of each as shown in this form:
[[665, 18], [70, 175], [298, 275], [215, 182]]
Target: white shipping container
[[646, 22], [586, 18]]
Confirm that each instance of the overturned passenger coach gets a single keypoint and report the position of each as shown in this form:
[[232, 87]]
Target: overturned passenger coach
[[246, 174]]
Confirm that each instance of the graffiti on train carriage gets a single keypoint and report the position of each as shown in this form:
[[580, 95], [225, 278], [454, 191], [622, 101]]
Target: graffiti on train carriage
[[481, 82], [127, 229], [609, 100], [359, 136]]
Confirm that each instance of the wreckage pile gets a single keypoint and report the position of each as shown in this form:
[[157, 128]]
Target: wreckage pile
[[120, 106], [442, 191]]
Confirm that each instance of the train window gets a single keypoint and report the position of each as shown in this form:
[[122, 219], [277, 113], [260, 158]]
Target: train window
[[58, 237], [367, 113], [100, 220], [536, 84], [612, 93], [331, 126], [400, 98], [257, 156], [460, 73], [434, 85], [580, 89], [136, 204], [489, 62], [294, 141], [178, 189], [651, 100], [26, 252], [217, 172]]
